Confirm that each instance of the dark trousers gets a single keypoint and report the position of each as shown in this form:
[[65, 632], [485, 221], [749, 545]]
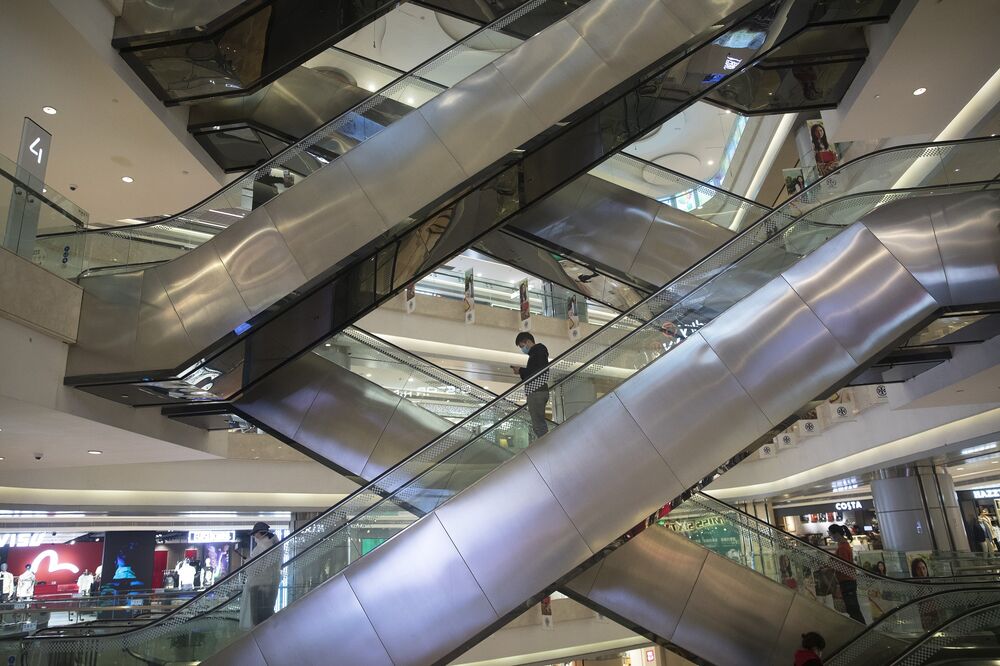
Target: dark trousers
[[536, 409], [849, 592], [262, 603]]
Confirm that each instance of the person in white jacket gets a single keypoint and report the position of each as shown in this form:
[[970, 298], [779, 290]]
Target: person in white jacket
[[6, 583], [26, 583], [84, 583], [185, 575], [260, 591]]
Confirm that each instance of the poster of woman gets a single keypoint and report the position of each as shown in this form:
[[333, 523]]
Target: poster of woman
[[469, 300], [827, 159]]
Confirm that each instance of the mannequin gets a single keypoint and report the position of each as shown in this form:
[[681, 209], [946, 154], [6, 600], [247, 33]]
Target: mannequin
[[6, 583], [26, 583], [989, 546]]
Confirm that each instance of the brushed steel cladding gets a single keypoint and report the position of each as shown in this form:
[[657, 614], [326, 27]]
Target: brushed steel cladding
[[520, 549], [972, 268], [258, 260], [733, 616], [676, 241], [639, 29], [418, 593], [473, 118], [678, 400], [900, 530], [860, 292], [778, 350], [324, 218], [906, 230], [583, 583], [203, 294], [409, 428], [903, 492], [577, 459], [556, 72], [332, 612], [284, 398], [160, 337], [242, 652], [404, 167], [649, 580], [347, 418], [105, 340], [809, 615]]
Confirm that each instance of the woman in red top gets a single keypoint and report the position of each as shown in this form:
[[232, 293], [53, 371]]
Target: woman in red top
[[847, 581], [811, 653]]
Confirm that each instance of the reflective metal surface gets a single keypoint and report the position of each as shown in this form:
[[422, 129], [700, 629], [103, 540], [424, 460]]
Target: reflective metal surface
[[674, 242]]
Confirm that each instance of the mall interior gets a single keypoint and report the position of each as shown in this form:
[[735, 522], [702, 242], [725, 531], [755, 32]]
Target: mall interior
[[499, 332]]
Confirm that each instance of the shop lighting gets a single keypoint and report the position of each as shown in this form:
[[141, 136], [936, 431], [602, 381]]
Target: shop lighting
[[991, 457], [95, 452], [845, 484], [919, 91], [978, 449], [128, 179], [50, 110]]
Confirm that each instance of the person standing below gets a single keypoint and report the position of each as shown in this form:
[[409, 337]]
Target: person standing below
[[185, 575], [261, 588], [26, 583], [6, 583], [208, 574], [84, 583], [847, 580], [538, 388], [811, 652]]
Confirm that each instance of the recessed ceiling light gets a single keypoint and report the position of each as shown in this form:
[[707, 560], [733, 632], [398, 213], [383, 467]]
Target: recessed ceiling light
[[368, 374], [128, 179], [919, 91], [328, 344], [711, 162], [95, 452], [959, 469], [51, 110], [2, 458]]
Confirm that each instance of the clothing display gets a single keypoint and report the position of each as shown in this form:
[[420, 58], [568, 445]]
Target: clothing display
[[6, 584], [84, 583], [186, 574], [26, 585]]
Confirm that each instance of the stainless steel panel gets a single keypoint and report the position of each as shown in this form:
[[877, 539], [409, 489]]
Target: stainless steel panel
[[520, 549], [161, 341], [404, 168], [584, 582], [905, 229], [860, 292], [905, 530], [283, 399], [967, 233], [258, 260], [675, 242], [557, 72], [692, 409], [733, 616], [243, 652], [631, 34], [203, 294], [410, 428], [482, 119], [419, 595], [779, 351], [329, 615], [578, 460], [325, 218], [808, 615], [105, 340], [649, 580]]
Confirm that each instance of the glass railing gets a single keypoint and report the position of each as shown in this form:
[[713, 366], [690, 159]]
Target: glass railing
[[167, 238], [616, 352], [970, 638]]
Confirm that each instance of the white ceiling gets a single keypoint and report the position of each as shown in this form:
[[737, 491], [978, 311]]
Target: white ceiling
[[106, 127]]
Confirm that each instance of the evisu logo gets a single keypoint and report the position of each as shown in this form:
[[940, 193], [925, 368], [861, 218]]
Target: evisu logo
[[787, 439], [881, 391], [54, 566]]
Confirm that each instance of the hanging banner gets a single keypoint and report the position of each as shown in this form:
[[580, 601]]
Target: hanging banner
[[827, 159], [411, 297], [572, 318], [470, 297], [525, 306]]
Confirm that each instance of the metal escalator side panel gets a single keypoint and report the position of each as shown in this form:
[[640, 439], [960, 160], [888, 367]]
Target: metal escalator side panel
[[525, 539], [427, 157]]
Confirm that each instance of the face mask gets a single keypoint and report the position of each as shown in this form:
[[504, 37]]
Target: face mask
[[525, 350]]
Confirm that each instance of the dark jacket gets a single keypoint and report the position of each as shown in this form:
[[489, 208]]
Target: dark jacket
[[807, 658], [538, 359]]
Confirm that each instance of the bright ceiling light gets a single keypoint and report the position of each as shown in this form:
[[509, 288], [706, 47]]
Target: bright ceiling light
[[50, 110], [978, 449], [919, 91], [128, 179], [95, 452], [711, 162]]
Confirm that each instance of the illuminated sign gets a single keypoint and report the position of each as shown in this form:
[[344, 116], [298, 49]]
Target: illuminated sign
[[986, 493], [211, 536], [732, 63], [848, 506], [23, 539]]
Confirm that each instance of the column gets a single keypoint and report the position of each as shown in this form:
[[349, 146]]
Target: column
[[917, 509]]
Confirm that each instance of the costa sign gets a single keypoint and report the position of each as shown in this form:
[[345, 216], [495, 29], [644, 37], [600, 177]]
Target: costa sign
[[848, 506]]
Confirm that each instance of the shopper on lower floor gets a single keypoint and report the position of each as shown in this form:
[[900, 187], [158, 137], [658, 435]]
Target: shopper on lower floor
[[538, 388], [260, 592], [811, 652], [846, 579]]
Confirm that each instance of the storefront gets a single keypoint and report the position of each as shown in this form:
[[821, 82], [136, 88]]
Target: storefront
[[813, 521], [57, 566], [981, 517]]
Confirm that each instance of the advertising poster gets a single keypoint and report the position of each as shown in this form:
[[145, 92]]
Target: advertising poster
[[547, 619], [218, 554], [56, 565], [712, 532], [827, 159], [795, 181], [572, 318], [469, 300], [525, 306], [411, 297], [128, 562]]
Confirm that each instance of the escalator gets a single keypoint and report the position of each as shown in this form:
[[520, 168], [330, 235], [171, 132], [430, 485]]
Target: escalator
[[237, 335], [324, 546]]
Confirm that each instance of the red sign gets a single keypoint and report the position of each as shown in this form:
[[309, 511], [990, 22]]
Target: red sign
[[56, 564]]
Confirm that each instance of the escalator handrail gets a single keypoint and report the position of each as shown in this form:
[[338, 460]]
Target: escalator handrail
[[303, 143], [930, 635]]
